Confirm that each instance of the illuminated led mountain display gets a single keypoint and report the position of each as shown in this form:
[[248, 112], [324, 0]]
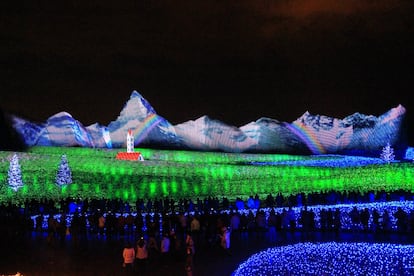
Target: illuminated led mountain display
[[309, 134]]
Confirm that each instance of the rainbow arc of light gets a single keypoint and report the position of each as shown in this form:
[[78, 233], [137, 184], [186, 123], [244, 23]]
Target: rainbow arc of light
[[147, 125], [307, 136]]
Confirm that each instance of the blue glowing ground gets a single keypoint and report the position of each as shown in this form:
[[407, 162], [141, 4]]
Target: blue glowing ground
[[328, 160], [331, 259]]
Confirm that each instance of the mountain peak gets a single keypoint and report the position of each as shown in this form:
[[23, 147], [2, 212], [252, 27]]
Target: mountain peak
[[136, 108], [60, 115], [135, 94]]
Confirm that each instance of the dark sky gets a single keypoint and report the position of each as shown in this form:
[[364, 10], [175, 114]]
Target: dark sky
[[235, 61]]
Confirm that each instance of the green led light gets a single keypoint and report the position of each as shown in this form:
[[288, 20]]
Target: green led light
[[97, 189], [152, 189], [164, 187], [174, 187]]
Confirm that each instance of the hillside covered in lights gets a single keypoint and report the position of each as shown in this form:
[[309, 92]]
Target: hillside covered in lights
[[187, 174]]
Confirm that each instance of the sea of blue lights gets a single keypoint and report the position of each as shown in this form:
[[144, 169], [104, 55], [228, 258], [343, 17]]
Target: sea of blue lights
[[328, 161], [390, 206], [331, 258]]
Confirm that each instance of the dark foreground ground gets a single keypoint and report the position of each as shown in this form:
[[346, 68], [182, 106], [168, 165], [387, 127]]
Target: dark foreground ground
[[34, 255]]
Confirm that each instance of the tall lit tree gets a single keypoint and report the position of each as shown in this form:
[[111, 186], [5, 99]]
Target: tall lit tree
[[387, 153], [15, 173], [64, 174]]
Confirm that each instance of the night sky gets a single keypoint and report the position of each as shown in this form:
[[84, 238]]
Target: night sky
[[235, 61]]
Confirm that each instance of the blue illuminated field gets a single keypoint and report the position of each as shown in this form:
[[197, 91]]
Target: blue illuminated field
[[331, 259]]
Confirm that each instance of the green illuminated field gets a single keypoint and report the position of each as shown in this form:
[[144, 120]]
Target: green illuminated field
[[97, 174]]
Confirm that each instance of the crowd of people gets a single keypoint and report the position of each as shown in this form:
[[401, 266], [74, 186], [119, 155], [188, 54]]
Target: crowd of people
[[165, 230]]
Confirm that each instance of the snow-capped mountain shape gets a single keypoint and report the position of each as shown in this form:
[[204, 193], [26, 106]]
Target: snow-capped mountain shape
[[29, 131], [60, 129], [273, 136], [206, 134], [324, 134], [309, 134], [100, 135], [147, 127]]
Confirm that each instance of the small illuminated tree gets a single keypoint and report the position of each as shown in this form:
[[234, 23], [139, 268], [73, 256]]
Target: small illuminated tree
[[387, 153], [15, 174], [64, 174]]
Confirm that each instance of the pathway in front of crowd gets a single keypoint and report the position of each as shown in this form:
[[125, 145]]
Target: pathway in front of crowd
[[98, 255]]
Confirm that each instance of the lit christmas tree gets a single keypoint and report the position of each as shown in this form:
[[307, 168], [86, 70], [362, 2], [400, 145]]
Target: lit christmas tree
[[15, 174], [64, 174], [387, 153]]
